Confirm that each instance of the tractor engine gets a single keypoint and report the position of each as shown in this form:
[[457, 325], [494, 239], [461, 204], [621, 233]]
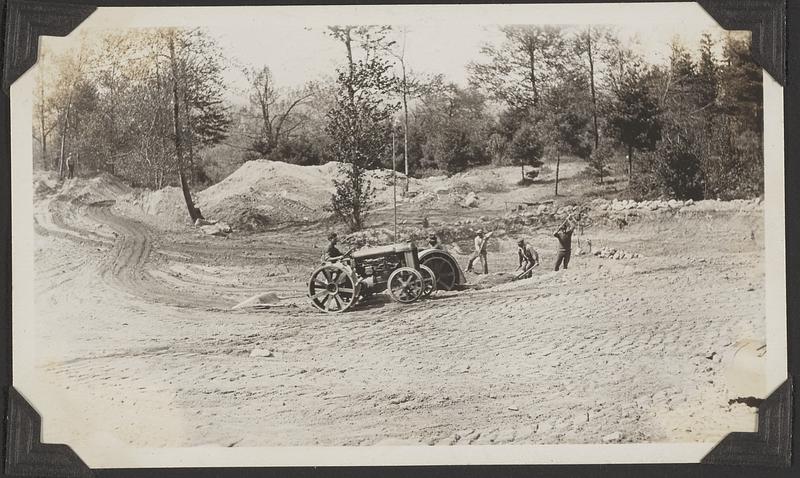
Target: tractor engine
[[376, 270]]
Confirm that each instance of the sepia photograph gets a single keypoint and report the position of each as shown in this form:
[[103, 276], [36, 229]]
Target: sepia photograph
[[429, 234]]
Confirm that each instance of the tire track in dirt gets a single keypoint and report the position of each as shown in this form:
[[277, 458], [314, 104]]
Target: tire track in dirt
[[129, 257]]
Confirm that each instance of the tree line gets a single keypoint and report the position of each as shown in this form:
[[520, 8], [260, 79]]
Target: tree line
[[148, 106]]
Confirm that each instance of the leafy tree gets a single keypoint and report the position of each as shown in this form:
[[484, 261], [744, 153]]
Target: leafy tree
[[359, 122], [600, 160], [634, 115], [527, 148], [568, 121], [676, 165], [456, 128], [520, 69]]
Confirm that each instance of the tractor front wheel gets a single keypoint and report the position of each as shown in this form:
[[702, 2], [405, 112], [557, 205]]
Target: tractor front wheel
[[406, 285]]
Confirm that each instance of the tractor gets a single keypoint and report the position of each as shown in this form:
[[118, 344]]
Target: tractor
[[408, 275]]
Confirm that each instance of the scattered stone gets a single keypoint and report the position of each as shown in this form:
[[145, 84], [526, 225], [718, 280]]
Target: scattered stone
[[471, 200], [513, 408], [217, 229], [612, 437], [261, 353], [400, 399]]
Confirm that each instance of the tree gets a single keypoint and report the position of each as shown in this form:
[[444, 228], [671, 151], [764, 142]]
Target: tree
[[275, 111], [677, 165], [45, 120], [586, 45], [568, 120], [600, 159], [634, 115], [522, 67], [527, 148], [359, 122], [456, 128]]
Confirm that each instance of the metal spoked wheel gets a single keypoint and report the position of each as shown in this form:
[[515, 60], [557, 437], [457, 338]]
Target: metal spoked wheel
[[444, 270], [406, 285], [428, 280], [333, 288]]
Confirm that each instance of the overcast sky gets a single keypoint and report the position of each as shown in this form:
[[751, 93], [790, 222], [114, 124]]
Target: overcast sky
[[440, 39]]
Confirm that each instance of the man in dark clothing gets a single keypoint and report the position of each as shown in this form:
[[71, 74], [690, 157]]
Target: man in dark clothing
[[564, 236], [70, 166], [332, 250], [434, 243]]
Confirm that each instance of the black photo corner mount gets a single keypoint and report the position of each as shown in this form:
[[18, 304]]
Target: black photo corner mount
[[26, 21], [770, 445], [26, 455], [766, 19]]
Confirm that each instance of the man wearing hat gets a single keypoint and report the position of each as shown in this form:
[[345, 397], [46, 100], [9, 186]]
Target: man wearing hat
[[434, 243], [528, 258], [332, 250], [480, 251]]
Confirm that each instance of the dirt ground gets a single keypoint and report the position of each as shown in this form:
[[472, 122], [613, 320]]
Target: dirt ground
[[134, 319]]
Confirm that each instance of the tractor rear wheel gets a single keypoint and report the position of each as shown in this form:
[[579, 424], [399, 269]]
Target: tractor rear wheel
[[429, 280], [444, 269]]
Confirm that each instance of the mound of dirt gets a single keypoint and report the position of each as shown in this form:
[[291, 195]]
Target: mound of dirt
[[103, 187], [44, 183], [166, 204], [263, 193]]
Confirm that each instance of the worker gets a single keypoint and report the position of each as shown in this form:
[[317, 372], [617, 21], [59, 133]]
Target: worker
[[70, 166], [332, 251], [480, 251], [434, 243], [528, 258], [564, 236]]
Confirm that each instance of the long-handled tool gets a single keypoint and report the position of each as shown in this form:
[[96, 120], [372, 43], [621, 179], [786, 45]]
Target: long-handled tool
[[523, 274]]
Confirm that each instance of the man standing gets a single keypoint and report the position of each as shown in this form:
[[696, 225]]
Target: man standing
[[564, 236], [70, 166], [480, 251], [528, 258]]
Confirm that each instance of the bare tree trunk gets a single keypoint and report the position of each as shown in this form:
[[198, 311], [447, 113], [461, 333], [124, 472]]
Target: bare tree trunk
[[558, 167], [532, 56], [187, 196], [630, 166], [594, 94], [523, 172]]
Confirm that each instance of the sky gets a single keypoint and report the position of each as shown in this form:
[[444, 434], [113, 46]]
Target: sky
[[440, 38]]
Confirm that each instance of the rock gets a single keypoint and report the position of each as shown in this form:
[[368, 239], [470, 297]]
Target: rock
[[400, 399], [260, 300], [261, 353], [218, 229], [688, 202], [471, 200], [541, 209], [612, 437], [513, 408]]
